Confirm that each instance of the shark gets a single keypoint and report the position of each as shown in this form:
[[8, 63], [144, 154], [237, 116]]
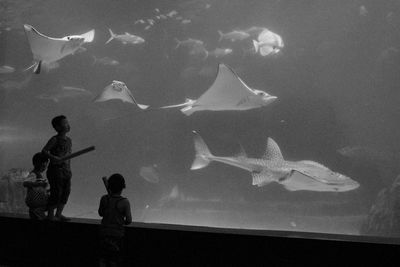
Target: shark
[[228, 92], [118, 90], [47, 50], [272, 167]]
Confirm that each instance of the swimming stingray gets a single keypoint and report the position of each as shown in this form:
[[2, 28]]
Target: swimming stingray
[[118, 90], [228, 92], [293, 175], [47, 50]]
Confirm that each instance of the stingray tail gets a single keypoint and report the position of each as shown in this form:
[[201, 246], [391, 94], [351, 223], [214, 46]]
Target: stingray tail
[[203, 154], [188, 110], [111, 37]]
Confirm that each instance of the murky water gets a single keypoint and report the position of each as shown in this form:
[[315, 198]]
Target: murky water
[[334, 73]]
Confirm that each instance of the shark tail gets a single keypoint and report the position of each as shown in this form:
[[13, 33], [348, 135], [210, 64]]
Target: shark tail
[[178, 43], [221, 36], [203, 154], [111, 37], [256, 45]]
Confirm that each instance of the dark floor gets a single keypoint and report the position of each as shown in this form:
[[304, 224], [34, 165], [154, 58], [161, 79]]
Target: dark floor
[[31, 243]]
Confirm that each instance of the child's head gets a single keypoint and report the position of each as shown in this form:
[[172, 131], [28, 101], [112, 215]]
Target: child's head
[[116, 183], [40, 161], [60, 124]]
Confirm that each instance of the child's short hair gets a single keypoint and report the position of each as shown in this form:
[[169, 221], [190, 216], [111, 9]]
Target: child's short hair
[[116, 183], [39, 158], [57, 120]]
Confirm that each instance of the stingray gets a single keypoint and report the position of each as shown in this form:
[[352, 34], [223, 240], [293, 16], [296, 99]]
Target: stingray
[[228, 92], [47, 50], [118, 90]]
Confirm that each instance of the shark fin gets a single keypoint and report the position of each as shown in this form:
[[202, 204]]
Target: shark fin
[[242, 152], [273, 151], [202, 153]]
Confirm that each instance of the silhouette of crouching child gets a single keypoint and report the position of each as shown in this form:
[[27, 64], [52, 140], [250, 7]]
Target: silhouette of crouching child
[[37, 188], [115, 211]]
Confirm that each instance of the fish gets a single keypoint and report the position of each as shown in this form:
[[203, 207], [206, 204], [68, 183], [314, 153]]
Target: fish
[[269, 43], [199, 51], [150, 21], [16, 85], [118, 90], [125, 38], [47, 50], [273, 168], [157, 10], [367, 154], [190, 42], [172, 13], [163, 17], [228, 92], [220, 52], [106, 61], [6, 69], [255, 30], [66, 92], [10, 134], [186, 21], [150, 174], [141, 21], [363, 11], [233, 35], [147, 27]]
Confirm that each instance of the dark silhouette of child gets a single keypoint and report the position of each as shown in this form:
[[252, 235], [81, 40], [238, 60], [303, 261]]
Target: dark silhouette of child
[[58, 172], [37, 188], [115, 211]]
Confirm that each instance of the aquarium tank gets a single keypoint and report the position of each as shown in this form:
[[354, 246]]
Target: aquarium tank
[[268, 115]]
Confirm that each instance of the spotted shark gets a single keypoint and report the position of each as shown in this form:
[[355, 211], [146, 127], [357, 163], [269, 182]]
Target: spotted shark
[[272, 167]]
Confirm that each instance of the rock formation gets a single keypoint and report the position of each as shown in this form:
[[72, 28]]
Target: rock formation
[[384, 216], [12, 193]]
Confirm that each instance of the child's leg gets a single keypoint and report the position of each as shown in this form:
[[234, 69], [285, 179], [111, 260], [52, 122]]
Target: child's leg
[[65, 191]]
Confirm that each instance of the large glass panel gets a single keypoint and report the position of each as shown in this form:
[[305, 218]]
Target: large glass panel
[[278, 115]]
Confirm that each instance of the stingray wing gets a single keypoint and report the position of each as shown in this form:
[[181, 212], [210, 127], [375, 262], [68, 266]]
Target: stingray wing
[[89, 36], [226, 93], [44, 48]]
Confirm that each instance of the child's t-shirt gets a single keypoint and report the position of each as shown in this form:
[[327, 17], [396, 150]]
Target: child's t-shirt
[[37, 191]]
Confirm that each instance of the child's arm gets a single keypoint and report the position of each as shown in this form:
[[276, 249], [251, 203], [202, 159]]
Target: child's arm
[[101, 207], [47, 148], [127, 211]]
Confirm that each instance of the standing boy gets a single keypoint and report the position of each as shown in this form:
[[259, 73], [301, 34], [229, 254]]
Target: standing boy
[[116, 212], [36, 184], [59, 171]]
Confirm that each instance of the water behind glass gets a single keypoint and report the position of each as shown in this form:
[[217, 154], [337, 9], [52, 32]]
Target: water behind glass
[[335, 78]]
